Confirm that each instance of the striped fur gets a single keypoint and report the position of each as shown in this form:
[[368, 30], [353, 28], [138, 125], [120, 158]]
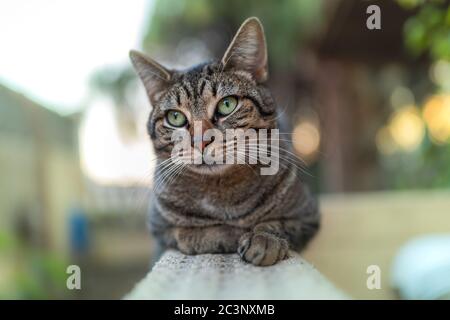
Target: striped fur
[[234, 208]]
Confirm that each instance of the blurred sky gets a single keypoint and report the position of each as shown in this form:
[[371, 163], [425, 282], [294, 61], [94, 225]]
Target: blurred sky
[[49, 48]]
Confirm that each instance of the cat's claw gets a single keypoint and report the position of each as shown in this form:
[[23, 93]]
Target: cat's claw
[[262, 248]]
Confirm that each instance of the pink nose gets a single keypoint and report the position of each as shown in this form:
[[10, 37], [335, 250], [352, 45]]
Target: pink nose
[[197, 140], [205, 143]]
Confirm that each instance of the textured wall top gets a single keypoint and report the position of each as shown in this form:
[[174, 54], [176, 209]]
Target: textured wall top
[[216, 276]]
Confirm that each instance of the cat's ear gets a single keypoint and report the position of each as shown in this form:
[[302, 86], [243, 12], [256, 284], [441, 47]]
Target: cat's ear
[[154, 76], [248, 50]]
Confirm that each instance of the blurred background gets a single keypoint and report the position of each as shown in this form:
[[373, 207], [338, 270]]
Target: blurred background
[[370, 111]]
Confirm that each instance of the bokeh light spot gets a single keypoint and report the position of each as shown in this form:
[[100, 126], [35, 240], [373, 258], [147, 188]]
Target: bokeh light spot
[[407, 128], [306, 139], [436, 113]]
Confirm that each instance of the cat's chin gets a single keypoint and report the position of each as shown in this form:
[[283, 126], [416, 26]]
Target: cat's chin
[[209, 169]]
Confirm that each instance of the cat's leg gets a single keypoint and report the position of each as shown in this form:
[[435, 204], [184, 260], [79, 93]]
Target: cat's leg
[[270, 241], [213, 239], [262, 248], [297, 232]]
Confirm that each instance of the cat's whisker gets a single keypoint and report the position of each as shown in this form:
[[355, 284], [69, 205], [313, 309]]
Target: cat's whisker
[[256, 142], [163, 163], [248, 165], [287, 157], [160, 177], [253, 142], [285, 150], [177, 163], [163, 172], [162, 181], [228, 192], [176, 174], [282, 164], [287, 167], [291, 159]]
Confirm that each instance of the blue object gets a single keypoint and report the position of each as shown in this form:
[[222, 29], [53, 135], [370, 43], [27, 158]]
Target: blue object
[[78, 231], [421, 270]]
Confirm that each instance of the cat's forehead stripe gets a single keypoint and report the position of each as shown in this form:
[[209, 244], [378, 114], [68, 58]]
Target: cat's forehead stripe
[[201, 86], [188, 89], [198, 89]]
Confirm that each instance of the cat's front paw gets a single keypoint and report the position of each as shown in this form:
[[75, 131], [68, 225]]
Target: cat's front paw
[[262, 248]]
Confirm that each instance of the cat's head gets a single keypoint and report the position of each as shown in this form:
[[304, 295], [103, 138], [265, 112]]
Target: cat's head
[[225, 94]]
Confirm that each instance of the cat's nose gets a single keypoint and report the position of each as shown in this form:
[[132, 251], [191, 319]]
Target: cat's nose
[[204, 143], [197, 132], [199, 142]]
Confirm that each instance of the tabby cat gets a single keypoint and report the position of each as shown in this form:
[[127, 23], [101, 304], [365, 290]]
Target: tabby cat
[[216, 208]]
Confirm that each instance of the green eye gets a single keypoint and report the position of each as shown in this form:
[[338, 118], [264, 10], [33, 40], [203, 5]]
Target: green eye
[[176, 118], [227, 105]]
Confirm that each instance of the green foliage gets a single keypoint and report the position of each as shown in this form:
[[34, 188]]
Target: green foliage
[[425, 168], [43, 276], [287, 23], [36, 274], [428, 30], [6, 242]]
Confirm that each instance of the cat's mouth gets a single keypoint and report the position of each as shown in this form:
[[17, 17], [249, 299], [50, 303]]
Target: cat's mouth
[[199, 162], [205, 168]]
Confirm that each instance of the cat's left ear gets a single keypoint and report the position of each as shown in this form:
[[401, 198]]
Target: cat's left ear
[[154, 76], [248, 50]]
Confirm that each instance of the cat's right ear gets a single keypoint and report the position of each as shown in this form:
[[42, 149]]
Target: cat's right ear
[[155, 77], [248, 50]]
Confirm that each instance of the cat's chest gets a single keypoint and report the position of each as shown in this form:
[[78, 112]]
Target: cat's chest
[[223, 204], [207, 205], [222, 199], [210, 196]]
